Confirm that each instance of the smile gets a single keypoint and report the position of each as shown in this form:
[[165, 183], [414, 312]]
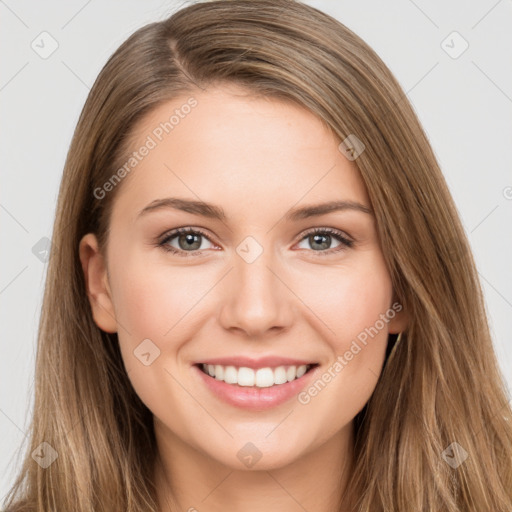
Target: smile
[[249, 377], [254, 389]]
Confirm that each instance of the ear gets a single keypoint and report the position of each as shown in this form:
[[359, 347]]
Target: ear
[[97, 285], [400, 321]]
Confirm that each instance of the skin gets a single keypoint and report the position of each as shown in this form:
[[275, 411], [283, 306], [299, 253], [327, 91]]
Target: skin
[[256, 158]]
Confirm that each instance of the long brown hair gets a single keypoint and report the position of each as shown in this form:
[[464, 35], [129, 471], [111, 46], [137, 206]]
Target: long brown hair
[[440, 397]]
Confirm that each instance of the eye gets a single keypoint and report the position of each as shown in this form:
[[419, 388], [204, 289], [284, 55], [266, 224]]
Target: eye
[[322, 237], [188, 240]]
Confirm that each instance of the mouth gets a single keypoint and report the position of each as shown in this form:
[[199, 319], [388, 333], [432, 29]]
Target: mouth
[[254, 389], [266, 377]]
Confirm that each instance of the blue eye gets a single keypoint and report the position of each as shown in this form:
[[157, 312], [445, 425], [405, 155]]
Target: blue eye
[[189, 241]]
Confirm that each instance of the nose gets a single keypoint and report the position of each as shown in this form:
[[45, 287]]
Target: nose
[[256, 298]]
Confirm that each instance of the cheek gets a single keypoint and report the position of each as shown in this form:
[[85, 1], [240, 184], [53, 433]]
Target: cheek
[[158, 303], [349, 300], [153, 300], [355, 307]]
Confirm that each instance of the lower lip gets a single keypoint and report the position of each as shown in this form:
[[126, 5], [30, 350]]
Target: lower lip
[[255, 398]]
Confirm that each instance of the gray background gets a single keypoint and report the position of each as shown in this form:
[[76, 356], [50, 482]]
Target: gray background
[[464, 102]]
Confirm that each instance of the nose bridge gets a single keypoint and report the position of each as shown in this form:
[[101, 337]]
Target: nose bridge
[[256, 298]]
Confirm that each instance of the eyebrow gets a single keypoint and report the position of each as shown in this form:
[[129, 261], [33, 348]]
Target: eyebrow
[[216, 212]]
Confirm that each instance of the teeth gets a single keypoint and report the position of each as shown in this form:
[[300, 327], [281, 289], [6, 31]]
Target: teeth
[[261, 378]]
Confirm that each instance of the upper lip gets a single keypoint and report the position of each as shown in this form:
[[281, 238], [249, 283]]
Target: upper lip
[[262, 362]]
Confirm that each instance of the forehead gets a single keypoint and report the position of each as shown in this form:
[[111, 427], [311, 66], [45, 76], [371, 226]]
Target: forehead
[[223, 145]]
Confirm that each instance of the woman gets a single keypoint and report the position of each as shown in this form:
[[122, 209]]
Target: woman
[[200, 347]]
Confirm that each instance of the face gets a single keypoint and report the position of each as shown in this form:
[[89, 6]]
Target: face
[[271, 278]]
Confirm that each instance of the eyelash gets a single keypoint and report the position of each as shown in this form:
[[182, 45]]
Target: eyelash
[[338, 235]]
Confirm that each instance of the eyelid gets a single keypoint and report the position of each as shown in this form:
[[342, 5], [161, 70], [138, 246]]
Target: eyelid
[[332, 231], [181, 230]]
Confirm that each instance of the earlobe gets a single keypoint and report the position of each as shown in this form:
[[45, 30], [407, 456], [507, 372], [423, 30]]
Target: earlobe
[[399, 321], [398, 324], [97, 285]]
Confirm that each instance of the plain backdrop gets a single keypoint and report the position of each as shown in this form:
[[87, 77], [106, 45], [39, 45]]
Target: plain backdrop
[[453, 59]]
